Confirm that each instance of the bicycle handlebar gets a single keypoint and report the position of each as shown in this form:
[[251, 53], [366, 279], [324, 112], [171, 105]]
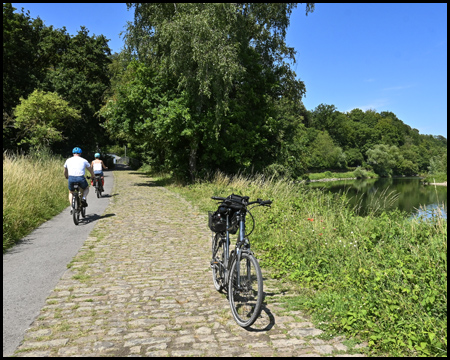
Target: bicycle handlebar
[[229, 201]]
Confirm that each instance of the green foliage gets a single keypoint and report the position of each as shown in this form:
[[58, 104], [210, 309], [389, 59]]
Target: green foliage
[[360, 173], [438, 164], [39, 57], [325, 154], [357, 132], [436, 178], [81, 76], [380, 278], [354, 157], [43, 117], [385, 159], [230, 81]]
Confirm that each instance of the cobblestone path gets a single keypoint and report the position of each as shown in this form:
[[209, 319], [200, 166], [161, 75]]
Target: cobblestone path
[[141, 286]]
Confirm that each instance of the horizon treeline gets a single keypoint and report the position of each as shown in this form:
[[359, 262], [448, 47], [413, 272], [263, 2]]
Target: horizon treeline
[[189, 97]]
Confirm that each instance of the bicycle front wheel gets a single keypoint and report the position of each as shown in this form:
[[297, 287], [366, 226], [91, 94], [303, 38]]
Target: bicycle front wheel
[[247, 297], [217, 262]]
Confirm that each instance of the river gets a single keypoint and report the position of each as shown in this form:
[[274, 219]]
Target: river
[[406, 194]]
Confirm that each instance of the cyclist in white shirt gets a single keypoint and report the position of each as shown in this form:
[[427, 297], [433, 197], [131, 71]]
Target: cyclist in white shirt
[[98, 167], [74, 172]]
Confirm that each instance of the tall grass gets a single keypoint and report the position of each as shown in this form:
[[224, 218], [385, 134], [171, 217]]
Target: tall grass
[[382, 277], [34, 190]]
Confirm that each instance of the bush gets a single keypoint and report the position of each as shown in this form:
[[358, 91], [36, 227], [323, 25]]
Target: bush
[[360, 173]]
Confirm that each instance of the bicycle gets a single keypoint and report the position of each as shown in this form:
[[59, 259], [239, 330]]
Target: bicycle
[[237, 271], [98, 185], [77, 205]]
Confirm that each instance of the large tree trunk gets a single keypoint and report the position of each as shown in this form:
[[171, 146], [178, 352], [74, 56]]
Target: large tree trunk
[[193, 160]]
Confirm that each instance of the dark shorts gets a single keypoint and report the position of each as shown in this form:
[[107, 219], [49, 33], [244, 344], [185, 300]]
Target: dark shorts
[[81, 180], [98, 172]]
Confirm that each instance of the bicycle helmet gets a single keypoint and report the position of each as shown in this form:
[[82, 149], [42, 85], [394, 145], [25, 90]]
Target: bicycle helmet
[[97, 155], [76, 150]]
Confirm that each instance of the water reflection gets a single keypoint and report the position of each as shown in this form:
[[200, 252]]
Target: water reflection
[[406, 194]]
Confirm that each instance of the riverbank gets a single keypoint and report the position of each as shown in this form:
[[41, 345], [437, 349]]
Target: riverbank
[[353, 178], [439, 184], [333, 179]]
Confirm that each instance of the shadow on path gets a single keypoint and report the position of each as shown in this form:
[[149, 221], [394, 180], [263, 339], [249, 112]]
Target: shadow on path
[[93, 217]]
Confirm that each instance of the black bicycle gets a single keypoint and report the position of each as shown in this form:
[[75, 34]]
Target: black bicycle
[[98, 185], [237, 271], [77, 205]]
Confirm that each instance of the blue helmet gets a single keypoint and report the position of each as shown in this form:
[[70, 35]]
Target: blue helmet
[[97, 155], [76, 150]]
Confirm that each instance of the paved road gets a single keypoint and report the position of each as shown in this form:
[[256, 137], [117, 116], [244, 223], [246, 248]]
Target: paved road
[[141, 285], [32, 268]]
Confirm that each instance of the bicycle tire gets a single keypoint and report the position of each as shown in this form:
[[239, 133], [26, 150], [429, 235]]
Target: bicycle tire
[[83, 211], [97, 188], [75, 210], [217, 265], [246, 302]]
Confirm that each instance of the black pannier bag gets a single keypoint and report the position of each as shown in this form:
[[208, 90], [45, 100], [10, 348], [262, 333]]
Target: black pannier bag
[[236, 201], [217, 221]]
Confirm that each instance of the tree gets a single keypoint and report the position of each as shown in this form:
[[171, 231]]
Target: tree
[[20, 76], [81, 76], [325, 154], [354, 157], [226, 62], [42, 119], [386, 160], [40, 57]]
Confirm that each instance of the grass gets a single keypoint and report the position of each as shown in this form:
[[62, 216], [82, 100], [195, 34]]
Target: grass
[[357, 173], [34, 190], [381, 278]]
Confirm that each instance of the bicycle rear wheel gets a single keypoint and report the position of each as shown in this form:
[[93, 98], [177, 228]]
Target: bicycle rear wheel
[[76, 209], [217, 262], [83, 211], [246, 300], [98, 187]]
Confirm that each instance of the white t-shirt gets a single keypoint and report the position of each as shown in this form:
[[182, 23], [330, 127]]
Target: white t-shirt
[[98, 166], [76, 165]]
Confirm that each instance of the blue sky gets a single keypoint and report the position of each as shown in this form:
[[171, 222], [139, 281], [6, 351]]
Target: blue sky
[[386, 57]]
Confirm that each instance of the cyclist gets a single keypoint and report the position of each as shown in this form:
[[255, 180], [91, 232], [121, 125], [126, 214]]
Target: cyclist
[[74, 172], [98, 167]]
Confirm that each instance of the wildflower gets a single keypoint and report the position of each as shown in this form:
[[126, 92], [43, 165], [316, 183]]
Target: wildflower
[[320, 234], [351, 232]]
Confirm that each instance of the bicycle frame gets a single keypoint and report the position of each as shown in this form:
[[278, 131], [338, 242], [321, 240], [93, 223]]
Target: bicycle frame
[[238, 249]]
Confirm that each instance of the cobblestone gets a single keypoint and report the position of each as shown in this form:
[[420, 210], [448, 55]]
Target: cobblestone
[[141, 286]]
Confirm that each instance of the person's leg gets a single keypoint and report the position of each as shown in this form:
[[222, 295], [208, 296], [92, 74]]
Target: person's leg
[[85, 193], [85, 186]]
